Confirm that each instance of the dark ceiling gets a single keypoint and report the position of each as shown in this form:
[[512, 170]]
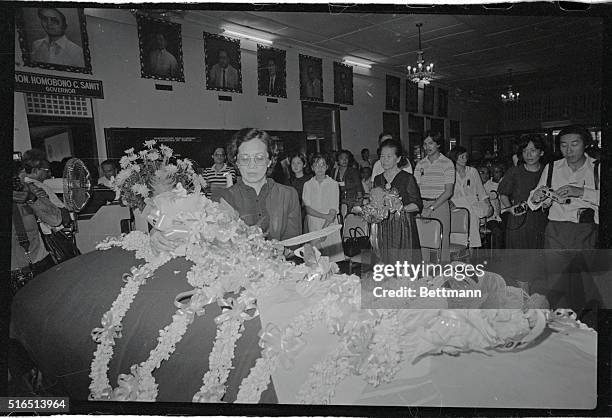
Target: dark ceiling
[[470, 52]]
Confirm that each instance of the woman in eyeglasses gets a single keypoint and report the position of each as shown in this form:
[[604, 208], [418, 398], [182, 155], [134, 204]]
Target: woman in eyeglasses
[[321, 196], [259, 200]]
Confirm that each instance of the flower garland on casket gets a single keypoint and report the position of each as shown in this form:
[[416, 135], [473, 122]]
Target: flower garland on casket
[[233, 266]]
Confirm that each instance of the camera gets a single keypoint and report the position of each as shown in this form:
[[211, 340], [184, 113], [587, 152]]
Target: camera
[[520, 209]]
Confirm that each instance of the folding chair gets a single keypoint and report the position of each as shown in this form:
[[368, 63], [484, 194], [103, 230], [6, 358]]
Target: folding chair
[[430, 235], [459, 234]]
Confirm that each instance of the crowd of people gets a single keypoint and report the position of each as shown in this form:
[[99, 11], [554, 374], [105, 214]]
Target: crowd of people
[[519, 209]]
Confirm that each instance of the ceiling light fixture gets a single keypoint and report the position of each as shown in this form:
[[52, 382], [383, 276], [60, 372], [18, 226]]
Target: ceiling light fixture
[[509, 96], [357, 64], [247, 36], [421, 73]]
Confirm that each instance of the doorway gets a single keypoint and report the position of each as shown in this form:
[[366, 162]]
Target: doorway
[[321, 124], [63, 137]]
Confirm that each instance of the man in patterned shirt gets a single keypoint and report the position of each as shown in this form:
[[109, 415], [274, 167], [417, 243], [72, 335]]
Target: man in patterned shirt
[[219, 176], [435, 175]]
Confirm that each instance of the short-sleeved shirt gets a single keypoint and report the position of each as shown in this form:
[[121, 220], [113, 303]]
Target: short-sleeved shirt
[[583, 177], [432, 176], [217, 180]]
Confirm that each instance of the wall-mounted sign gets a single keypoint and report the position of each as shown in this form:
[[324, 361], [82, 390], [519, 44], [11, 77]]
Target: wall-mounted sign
[[51, 84]]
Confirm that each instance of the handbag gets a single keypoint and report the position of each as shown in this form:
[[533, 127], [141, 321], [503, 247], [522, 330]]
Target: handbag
[[60, 246], [356, 242]]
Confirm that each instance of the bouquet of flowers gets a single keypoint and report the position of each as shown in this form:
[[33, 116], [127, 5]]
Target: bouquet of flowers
[[382, 203], [153, 171]]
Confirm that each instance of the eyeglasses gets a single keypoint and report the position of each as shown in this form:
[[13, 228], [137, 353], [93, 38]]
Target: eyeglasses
[[244, 160]]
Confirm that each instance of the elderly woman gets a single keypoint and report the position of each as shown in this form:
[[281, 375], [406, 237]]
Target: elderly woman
[[398, 236], [258, 200]]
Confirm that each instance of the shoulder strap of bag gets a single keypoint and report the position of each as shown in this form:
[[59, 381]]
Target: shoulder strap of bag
[[359, 232], [551, 166], [596, 174], [22, 236]]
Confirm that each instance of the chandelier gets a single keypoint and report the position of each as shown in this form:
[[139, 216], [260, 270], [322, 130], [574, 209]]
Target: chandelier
[[421, 73], [509, 95]]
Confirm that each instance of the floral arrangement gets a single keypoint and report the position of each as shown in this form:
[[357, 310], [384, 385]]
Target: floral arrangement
[[383, 202], [230, 257], [152, 171]]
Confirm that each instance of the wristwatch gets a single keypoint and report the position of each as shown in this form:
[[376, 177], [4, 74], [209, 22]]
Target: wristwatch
[[432, 207]]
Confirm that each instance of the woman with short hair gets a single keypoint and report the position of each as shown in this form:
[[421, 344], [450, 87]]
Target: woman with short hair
[[397, 236]]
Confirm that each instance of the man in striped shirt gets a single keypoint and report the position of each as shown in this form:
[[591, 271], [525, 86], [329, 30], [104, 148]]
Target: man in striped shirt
[[219, 176], [435, 175]]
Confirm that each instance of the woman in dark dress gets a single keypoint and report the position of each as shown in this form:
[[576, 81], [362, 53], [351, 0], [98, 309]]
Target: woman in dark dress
[[524, 229], [347, 177], [398, 237]]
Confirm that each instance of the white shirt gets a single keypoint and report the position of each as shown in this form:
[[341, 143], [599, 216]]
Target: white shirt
[[163, 64], [52, 196], [564, 175], [62, 52], [321, 196], [377, 169], [56, 184], [469, 187], [365, 163], [109, 183], [313, 88]]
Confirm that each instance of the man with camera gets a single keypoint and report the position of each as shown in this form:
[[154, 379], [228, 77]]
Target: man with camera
[[571, 192], [30, 205]]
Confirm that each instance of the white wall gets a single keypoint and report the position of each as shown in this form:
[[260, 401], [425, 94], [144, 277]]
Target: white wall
[[21, 131], [132, 101]]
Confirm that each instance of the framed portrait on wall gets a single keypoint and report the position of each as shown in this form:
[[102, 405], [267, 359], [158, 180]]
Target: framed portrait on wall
[[161, 49], [392, 96], [222, 59], [54, 38], [343, 83], [412, 97], [311, 78], [428, 100], [442, 102], [271, 72]]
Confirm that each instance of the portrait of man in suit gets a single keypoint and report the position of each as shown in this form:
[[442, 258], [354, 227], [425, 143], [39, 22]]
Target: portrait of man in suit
[[311, 80], [222, 63], [343, 83], [272, 72], [392, 99]]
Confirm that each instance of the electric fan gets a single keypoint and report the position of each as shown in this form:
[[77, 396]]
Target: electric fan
[[77, 185]]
